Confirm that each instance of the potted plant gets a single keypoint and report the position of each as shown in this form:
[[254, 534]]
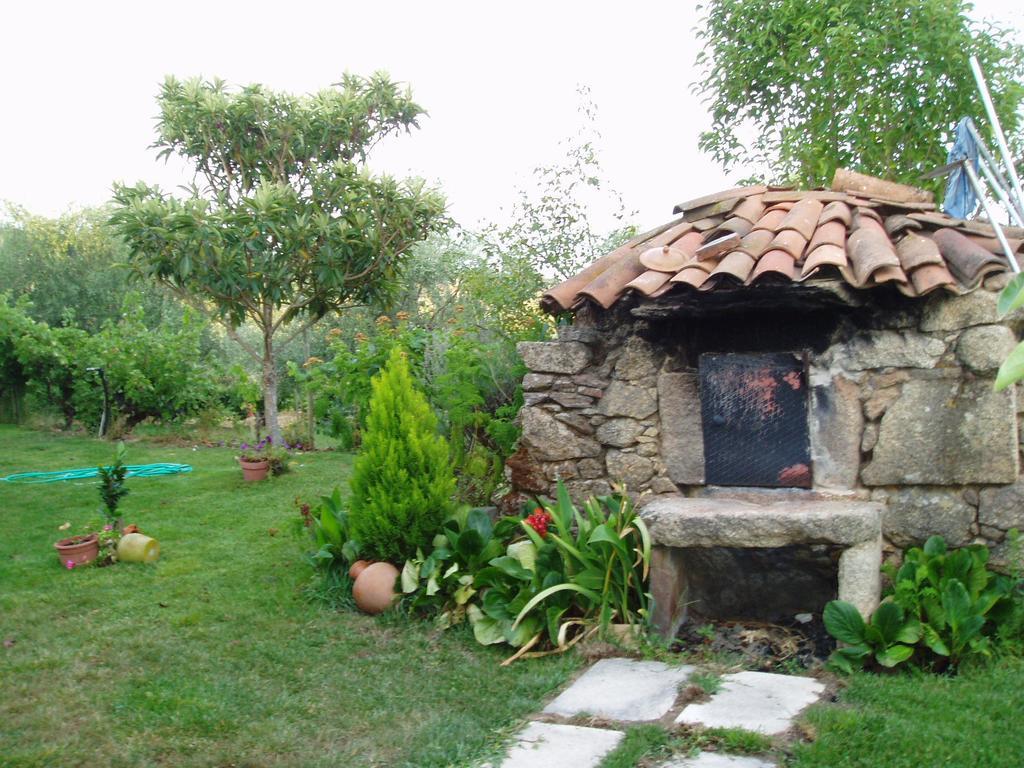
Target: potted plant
[[77, 550], [262, 459]]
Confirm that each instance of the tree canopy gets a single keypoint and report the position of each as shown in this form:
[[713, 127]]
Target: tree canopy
[[872, 85], [283, 220]]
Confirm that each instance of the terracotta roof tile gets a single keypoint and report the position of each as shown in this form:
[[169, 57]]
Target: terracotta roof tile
[[916, 251], [832, 232], [931, 277], [803, 217], [756, 235], [822, 256], [967, 260], [775, 262], [837, 211], [790, 241], [649, 282]]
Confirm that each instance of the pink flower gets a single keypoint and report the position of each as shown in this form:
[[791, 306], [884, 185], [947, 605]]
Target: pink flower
[[69, 564], [108, 527]]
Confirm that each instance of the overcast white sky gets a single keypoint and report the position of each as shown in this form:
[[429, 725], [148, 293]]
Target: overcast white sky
[[499, 81]]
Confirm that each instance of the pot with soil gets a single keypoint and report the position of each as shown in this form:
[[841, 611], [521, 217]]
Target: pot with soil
[[78, 550], [254, 470]]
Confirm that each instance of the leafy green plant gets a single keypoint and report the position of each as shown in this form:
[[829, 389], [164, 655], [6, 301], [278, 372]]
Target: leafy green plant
[[327, 525], [947, 605], [1011, 298], [606, 555], [112, 486], [444, 580], [960, 602], [402, 482], [888, 638]]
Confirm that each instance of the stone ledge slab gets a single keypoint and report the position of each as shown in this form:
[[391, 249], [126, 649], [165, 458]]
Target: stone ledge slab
[[677, 521]]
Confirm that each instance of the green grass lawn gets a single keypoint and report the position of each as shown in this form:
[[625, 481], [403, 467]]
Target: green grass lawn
[[213, 656]]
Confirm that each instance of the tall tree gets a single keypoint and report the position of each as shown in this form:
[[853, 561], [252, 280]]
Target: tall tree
[[873, 85], [283, 222]]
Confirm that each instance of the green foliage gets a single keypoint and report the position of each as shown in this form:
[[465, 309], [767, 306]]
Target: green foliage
[[873, 86], [1012, 370], [402, 483], [71, 268], [289, 224], [605, 553], [948, 606], [889, 637], [157, 373], [586, 568], [112, 486]]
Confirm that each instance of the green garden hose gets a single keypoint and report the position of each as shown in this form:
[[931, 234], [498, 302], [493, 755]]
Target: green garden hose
[[134, 470]]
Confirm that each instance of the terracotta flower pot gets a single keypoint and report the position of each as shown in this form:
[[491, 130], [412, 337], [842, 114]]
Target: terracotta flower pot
[[254, 470], [78, 550]]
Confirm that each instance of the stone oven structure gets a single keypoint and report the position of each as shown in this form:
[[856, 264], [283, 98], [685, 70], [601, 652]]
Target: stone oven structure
[[783, 376]]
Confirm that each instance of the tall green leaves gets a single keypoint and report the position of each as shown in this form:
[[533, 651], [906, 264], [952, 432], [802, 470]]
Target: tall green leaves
[[874, 85], [402, 481]]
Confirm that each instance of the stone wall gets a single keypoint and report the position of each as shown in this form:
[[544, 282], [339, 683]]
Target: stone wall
[[902, 411]]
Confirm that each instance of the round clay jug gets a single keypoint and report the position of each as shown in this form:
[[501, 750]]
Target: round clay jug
[[374, 590]]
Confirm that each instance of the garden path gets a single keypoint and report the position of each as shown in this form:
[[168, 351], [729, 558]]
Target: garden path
[[617, 692]]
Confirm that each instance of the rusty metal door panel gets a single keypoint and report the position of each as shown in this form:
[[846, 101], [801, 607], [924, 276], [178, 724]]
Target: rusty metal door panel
[[754, 420]]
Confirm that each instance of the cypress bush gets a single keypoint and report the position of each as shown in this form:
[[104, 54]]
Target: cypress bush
[[402, 481]]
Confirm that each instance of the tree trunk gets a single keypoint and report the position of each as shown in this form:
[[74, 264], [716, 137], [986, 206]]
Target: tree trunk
[[270, 388]]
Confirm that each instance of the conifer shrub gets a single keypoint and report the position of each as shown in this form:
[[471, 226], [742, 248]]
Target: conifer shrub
[[402, 481]]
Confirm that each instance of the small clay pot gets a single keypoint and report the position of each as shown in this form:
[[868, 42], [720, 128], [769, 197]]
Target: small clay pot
[[254, 470], [78, 549], [374, 590], [358, 567]]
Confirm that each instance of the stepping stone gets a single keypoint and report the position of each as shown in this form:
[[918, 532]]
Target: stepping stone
[[716, 760], [755, 701], [622, 689], [549, 745]]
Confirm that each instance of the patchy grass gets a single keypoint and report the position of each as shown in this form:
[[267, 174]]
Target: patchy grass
[[640, 741], [914, 719], [214, 656]]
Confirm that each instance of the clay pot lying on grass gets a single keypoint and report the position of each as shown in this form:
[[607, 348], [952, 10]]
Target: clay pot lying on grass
[[78, 550], [374, 590]]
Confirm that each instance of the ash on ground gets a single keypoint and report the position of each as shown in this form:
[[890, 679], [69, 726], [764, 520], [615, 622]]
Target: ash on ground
[[764, 647]]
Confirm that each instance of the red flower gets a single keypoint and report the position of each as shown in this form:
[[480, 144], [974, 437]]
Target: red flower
[[539, 521]]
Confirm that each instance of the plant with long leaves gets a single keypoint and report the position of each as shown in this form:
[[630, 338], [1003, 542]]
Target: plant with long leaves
[[606, 554]]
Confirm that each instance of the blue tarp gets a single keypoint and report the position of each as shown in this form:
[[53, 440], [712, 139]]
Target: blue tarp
[[960, 200]]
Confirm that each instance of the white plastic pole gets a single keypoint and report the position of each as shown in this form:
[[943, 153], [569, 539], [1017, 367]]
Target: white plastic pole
[[997, 129], [1000, 183], [1010, 208], [976, 183]]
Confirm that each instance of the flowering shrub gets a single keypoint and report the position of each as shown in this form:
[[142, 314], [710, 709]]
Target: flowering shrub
[[539, 521]]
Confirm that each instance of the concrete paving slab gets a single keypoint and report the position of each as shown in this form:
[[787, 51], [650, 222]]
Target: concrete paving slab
[[755, 701], [716, 760], [550, 745], [622, 689]]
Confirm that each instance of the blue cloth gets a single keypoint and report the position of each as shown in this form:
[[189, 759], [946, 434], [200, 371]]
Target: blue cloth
[[960, 200]]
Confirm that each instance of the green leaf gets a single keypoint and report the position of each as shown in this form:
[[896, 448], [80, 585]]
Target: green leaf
[[469, 544], [480, 521], [1012, 296], [1012, 369], [894, 655], [844, 622], [410, 576], [935, 546], [544, 595], [511, 567], [910, 632], [486, 630], [888, 619], [933, 640]]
